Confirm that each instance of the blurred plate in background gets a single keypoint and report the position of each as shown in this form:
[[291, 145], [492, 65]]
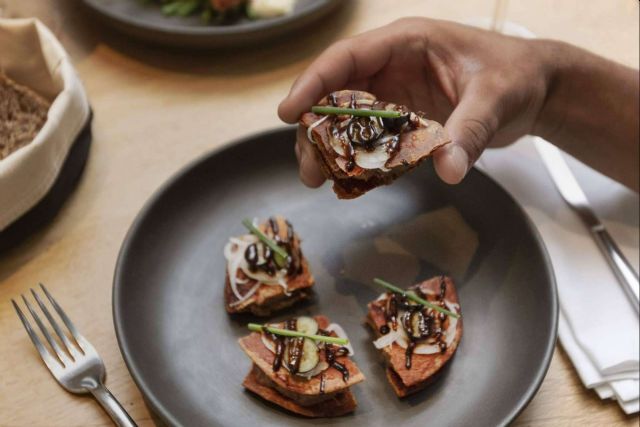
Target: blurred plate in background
[[145, 21]]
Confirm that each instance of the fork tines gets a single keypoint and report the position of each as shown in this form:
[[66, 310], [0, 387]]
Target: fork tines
[[64, 351]]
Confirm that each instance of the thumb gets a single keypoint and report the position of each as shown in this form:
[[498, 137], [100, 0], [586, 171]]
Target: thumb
[[471, 127]]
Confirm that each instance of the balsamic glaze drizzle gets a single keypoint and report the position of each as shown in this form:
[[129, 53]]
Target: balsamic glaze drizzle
[[419, 322], [331, 352], [366, 132], [270, 266], [294, 351]]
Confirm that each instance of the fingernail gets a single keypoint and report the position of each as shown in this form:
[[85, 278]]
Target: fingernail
[[459, 160], [451, 163]]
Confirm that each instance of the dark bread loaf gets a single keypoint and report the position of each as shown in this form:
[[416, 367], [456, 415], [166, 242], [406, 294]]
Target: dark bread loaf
[[22, 114]]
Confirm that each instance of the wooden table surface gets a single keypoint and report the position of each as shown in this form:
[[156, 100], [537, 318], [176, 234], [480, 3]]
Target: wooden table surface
[[157, 110]]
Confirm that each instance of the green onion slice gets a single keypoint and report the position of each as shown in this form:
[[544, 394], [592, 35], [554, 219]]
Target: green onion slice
[[295, 334], [412, 296]]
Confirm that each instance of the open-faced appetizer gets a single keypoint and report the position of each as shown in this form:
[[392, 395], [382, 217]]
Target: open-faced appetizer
[[363, 143], [266, 270], [308, 374], [418, 331]]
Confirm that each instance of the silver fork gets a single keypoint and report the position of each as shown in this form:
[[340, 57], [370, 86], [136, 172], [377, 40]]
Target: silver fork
[[78, 368]]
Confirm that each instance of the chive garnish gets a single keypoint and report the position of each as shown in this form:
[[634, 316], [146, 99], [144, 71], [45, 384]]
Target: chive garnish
[[320, 109], [282, 261], [414, 298], [287, 333]]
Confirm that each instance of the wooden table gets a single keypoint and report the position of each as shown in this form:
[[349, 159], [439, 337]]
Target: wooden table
[[157, 110]]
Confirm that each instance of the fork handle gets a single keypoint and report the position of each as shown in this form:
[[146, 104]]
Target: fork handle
[[111, 405]]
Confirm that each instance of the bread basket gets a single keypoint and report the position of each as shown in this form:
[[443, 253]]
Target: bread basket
[[35, 178]]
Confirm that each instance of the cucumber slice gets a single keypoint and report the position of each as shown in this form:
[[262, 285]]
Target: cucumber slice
[[307, 325], [310, 356]]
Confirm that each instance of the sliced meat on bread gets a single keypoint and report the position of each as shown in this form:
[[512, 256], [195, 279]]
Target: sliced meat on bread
[[438, 346], [325, 392], [361, 153], [263, 286]]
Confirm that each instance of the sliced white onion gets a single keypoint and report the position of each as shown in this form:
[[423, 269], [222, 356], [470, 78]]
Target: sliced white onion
[[234, 253], [233, 266], [282, 282], [247, 295], [268, 343], [336, 143], [313, 125], [382, 296], [386, 340], [375, 159], [450, 334], [334, 327]]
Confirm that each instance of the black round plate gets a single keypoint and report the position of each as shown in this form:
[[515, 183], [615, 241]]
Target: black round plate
[[180, 345], [145, 21]]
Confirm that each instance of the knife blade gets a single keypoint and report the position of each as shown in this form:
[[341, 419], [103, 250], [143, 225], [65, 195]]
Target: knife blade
[[572, 193]]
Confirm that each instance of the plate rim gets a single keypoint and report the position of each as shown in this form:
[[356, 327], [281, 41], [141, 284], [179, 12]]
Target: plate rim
[[211, 30], [152, 400]]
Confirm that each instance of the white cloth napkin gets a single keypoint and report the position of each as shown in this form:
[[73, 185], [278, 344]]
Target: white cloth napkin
[[32, 56], [598, 327]]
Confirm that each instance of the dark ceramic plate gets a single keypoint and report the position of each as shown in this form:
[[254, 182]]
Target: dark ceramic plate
[[48, 207], [180, 345], [144, 20]]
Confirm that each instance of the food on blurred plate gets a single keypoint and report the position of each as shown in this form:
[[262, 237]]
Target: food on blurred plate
[[22, 114], [418, 331], [309, 374], [227, 11], [266, 270], [363, 143]]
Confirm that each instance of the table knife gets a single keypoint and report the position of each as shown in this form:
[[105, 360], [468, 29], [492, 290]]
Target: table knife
[[571, 192]]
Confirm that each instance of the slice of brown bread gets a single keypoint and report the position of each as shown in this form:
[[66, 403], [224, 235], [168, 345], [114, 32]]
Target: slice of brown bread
[[22, 114]]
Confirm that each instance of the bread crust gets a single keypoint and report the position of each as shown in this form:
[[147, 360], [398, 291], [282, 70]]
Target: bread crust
[[299, 395], [339, 404]]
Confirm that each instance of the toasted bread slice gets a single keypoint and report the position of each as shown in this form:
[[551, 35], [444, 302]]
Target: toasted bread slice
[[338, 404], [312, 393], [424, 367], [268, 299], [415, 144]]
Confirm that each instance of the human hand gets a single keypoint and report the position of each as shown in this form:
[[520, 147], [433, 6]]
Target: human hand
[[487, 88]]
